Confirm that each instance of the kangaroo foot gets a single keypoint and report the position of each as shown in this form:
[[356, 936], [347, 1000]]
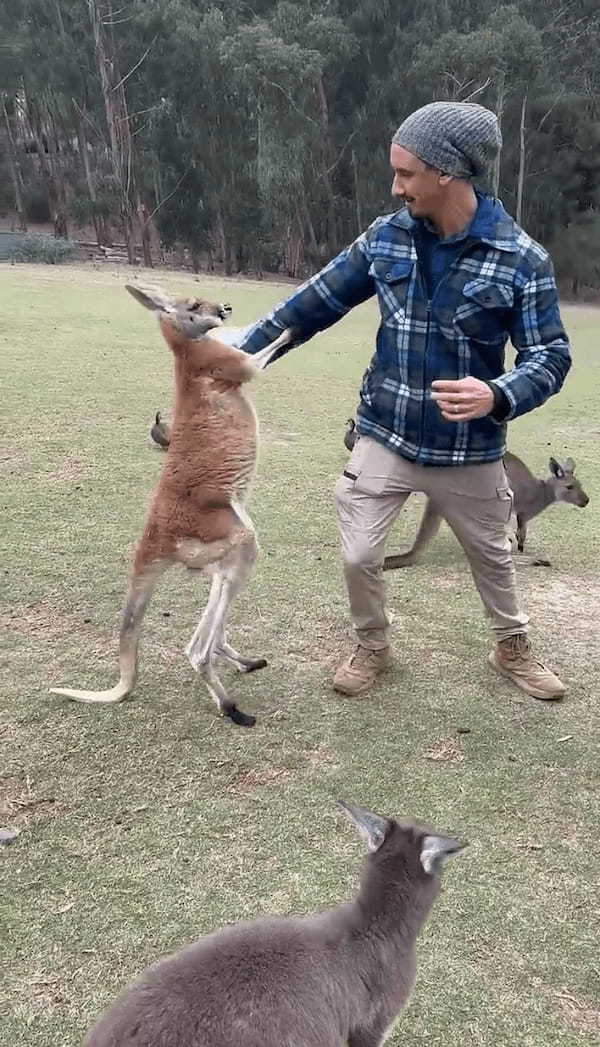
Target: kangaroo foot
[[238, 717], [399, 560]]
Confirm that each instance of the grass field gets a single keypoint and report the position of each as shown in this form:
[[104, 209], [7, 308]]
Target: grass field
[[149, 823]]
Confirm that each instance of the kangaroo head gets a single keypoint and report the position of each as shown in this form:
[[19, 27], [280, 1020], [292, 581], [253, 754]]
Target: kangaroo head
[[408, 849], [565, 484], [190, 318]]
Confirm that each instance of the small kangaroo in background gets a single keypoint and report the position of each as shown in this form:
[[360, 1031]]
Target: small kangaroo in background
[[531, 497], [197, 516], [329, 980], [160, 432]]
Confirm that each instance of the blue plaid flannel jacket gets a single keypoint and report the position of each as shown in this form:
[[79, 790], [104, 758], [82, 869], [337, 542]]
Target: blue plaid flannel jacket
[[501, 286]]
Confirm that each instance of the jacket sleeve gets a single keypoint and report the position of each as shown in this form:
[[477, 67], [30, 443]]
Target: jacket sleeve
[[543, 357], [319, 302]]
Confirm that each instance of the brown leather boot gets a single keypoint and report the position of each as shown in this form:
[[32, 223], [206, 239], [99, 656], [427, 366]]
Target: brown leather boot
[[358, 672], [514, 659]]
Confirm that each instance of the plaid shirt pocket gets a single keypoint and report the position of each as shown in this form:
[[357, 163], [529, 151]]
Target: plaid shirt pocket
[[483, 316], [392, 282]]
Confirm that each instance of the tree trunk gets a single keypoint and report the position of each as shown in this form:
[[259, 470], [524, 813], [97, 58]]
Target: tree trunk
[[101, 226], [359, 222], [327, 160], [499, 113], [145, 227], [15, 173], [117, 122], [301, 234], [312, 237], [57, 192], [521, 178], [225, 246]]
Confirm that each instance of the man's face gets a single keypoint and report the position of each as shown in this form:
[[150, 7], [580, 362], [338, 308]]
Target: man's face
[[422, 188]]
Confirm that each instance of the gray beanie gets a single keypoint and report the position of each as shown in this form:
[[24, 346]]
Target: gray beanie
[[458, 138]]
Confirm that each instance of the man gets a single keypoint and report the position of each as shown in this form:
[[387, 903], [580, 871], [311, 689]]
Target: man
[[455, 277]]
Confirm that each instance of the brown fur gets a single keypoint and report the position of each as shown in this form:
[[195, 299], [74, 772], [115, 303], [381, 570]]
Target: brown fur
[[212, 450], [196, 516]]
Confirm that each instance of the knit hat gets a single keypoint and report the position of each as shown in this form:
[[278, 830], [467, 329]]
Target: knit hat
[[458, 138]]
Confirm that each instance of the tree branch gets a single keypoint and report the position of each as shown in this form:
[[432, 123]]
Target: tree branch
[[136, 66], [315, 123], [169, 195], [340, 154], [477, 90], [547, 114]]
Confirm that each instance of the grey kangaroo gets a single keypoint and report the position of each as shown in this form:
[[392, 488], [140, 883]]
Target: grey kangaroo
[[531, 497], [336, 978]]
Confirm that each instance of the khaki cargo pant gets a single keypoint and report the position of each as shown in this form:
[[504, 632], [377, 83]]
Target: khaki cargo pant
[[475, 500]]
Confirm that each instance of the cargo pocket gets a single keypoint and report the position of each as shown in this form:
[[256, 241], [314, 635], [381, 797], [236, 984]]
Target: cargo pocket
[[505, 498], [366, 472]]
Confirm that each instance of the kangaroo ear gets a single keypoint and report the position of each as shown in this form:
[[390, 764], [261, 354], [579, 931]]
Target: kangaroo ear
[[371, 827], [436, 849], [569, 465], [152, 298], [555, 468]]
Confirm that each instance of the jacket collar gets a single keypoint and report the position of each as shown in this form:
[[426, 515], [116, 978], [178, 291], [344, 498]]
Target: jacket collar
[[491, 224]]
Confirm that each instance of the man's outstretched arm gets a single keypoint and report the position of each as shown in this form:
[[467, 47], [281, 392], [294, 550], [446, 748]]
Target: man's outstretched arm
[[319, 302]]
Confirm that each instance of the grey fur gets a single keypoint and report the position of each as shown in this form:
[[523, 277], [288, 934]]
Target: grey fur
[[530, 498], [329, 980]]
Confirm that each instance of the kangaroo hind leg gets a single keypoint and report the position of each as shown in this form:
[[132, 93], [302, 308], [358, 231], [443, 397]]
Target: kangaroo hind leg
[[141, 586], [208, 641], [428, 528]]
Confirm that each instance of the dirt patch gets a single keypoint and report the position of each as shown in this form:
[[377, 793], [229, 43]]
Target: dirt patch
[[570, 835], [577, 1013], [48, 993], [446, 578], [568, 608], [11, 457], [169, 655], [328, 643], [446, 749], [44, 622], [70, 471], [20, 805], [320, 757], [8, 732], [247, 781]]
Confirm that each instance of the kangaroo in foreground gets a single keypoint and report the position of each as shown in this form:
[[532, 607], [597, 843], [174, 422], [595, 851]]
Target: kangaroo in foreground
[[329, 980], [197, 517], [531, 497]]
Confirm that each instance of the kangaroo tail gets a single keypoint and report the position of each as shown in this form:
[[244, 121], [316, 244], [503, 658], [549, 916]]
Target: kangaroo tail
[[140, 591]]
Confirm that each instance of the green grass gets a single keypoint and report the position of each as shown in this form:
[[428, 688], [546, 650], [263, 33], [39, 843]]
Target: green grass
[[147, 824]]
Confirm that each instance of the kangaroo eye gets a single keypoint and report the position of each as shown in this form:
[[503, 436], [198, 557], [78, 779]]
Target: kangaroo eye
[[194, 308]]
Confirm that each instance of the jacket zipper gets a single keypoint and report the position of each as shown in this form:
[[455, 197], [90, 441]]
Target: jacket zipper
[[429, 303], [424, 377]]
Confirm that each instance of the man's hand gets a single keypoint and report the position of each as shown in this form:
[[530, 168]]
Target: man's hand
[[463, 400]]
